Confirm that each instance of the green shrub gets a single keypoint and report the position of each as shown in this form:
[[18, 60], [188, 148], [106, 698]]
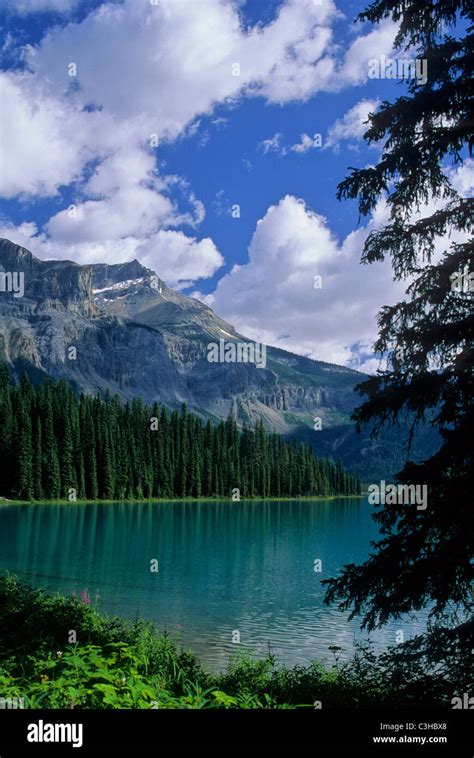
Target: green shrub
[[129, 664]]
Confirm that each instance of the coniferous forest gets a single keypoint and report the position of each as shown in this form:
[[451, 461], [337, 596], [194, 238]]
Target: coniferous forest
[[56, 444]]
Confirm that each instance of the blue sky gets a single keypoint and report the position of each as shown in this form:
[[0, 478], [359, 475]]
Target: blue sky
[[83, 178]]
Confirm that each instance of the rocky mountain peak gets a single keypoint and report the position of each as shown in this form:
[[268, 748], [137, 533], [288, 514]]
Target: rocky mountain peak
[[133, 335], [107, 275], [46, 283], [16, 258]]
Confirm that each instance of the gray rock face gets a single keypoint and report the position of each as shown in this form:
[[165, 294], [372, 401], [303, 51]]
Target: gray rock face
[[120, 328]]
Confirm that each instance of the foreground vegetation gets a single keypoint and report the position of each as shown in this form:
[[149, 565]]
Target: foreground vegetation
[[128, 664]]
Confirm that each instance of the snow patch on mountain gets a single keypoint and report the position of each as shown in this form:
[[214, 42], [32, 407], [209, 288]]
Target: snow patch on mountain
[[120, 285]]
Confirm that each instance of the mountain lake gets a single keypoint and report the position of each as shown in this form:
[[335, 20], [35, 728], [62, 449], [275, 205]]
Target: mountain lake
[[211, 573]]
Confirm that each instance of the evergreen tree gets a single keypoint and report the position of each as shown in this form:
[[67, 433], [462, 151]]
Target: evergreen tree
[[51, 471], [38, 460], [107, 473], [24, 447], [424, 557], [7, 433], [89, 450], [66, 448], [207, 480], [103, 448]]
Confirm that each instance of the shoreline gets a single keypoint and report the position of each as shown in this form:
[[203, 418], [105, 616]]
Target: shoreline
[[136, 501]]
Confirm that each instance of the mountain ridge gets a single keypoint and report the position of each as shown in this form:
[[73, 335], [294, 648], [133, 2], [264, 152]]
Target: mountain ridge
[[119, 308], [119, 328]]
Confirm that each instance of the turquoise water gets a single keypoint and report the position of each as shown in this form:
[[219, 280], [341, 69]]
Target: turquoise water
[[222, 567]]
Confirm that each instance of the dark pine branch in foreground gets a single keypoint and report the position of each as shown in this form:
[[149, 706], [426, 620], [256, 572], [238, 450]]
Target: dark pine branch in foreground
[[55, 444], [427, 134]]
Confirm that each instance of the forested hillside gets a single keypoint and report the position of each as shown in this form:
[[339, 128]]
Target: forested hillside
[[55, 444]]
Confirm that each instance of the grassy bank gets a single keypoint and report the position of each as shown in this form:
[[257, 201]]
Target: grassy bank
[[220, 499], [116, 663]]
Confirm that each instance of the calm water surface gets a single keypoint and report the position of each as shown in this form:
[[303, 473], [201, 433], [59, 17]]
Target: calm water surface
[[223, 566]]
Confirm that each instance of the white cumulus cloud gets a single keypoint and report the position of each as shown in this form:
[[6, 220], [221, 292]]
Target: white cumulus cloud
[[352, 126], [306, 143], [180, 260], [273, 298], [42, 145], [272, 144]]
